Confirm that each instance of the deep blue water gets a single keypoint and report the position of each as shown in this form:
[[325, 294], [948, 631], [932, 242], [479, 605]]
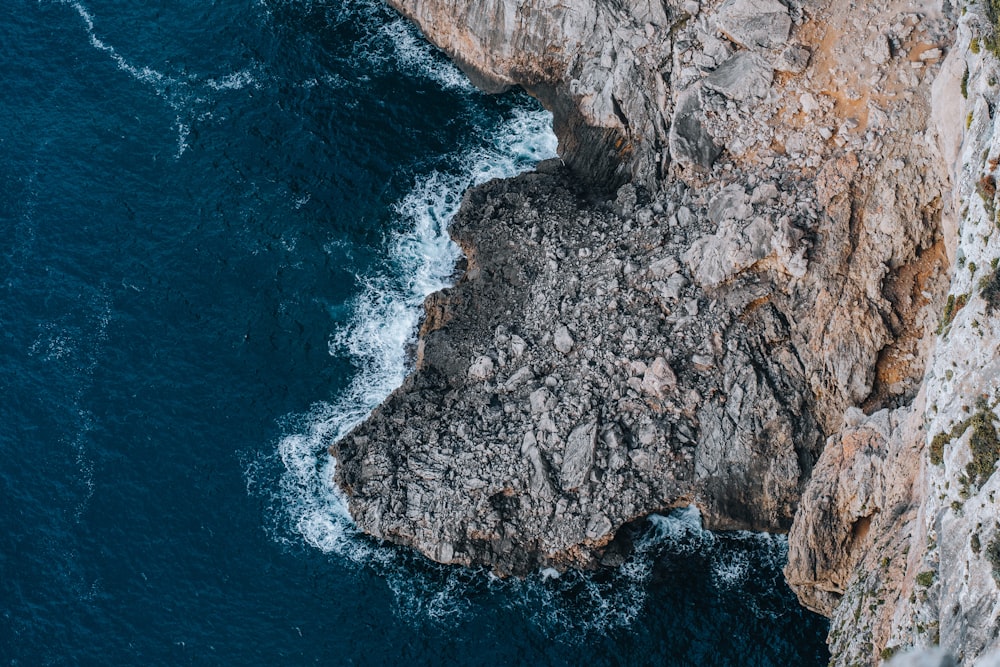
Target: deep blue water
[[219, 220]]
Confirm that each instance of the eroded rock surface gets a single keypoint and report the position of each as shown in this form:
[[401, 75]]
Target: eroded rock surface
[[806, 179], [616, 388], [897, 536]]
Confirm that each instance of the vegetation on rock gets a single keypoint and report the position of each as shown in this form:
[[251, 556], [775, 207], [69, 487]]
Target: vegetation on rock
[[993, 554], [990, 286], [985, 446]]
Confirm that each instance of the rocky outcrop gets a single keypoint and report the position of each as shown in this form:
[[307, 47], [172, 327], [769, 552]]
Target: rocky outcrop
[[599, 66], [610, 71], [576, 379], [925, 569], [848, 545], [757, 322]]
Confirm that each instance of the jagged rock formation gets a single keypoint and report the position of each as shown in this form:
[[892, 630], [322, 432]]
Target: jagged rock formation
[[770, 280], [596, 64], [925, 569], [576, 379]]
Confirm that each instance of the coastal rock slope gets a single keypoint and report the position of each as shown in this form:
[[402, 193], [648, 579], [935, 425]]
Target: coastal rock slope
[[897, 537], [757, 319], [572, 382]]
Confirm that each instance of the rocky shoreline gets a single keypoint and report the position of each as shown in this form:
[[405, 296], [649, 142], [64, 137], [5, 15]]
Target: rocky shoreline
[[756, 320], [563, 388]]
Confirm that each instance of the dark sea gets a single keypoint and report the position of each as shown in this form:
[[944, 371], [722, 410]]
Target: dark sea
[[219, 221]]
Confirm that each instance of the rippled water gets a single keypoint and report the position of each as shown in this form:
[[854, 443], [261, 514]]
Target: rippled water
[[220, 221]]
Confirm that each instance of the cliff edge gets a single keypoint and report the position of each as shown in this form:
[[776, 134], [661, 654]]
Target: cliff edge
[[897, 535], [785, 300]]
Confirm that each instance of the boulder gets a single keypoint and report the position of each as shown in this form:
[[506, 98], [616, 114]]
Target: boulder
[[744, 76], [659, 378], [562, 340], [755, 23], [579, 456], [690, 143]]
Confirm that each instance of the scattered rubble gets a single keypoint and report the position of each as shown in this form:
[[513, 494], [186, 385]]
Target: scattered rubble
[[792, 188]]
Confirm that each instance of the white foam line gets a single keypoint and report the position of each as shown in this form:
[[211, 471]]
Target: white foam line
[[234, 81], [419, 57], [389, 42], [143, 74], [78, 352], [179, 94], [22, 240], [384, 320]]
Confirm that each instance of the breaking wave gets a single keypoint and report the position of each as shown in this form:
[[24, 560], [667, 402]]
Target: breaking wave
[[383, 322], [307, 509]]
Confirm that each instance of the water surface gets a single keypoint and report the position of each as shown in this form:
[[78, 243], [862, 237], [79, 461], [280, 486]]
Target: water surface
[[220, 221]]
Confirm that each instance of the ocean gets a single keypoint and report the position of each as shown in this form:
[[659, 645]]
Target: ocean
[[220, 220]]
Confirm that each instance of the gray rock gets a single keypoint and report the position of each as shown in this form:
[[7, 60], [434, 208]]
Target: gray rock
[[931, 54], [793, 59], [579, 456], [539, 471], [690, 142], [562, 340], [932, 657], [877, 49], [659, 378], [664, 268], [734, 248], [517, 346], [519, 377], [482, 368], [672, 289], [598, 526], [764, 193], [702, 362], [541, 400], [730, 203], [744, 76], [755, 23]]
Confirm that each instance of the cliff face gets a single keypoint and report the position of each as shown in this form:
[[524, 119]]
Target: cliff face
[[920, 480], [770, 281], [598, 65]]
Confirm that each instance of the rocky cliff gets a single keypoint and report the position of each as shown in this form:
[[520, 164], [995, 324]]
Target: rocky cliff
[[897, 535], [757, 320]]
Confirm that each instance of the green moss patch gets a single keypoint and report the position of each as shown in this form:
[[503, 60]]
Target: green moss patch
[[944, 437], [937, 447], [993, 556], [990, 291], [985, 446], [951, 308], [993, 13], [986, 187]]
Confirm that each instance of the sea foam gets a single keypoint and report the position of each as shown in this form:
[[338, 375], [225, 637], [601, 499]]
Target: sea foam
[[309, 510], [188, 96], [383, 323]]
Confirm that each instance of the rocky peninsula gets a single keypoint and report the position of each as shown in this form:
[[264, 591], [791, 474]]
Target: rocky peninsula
[[761, 279]]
